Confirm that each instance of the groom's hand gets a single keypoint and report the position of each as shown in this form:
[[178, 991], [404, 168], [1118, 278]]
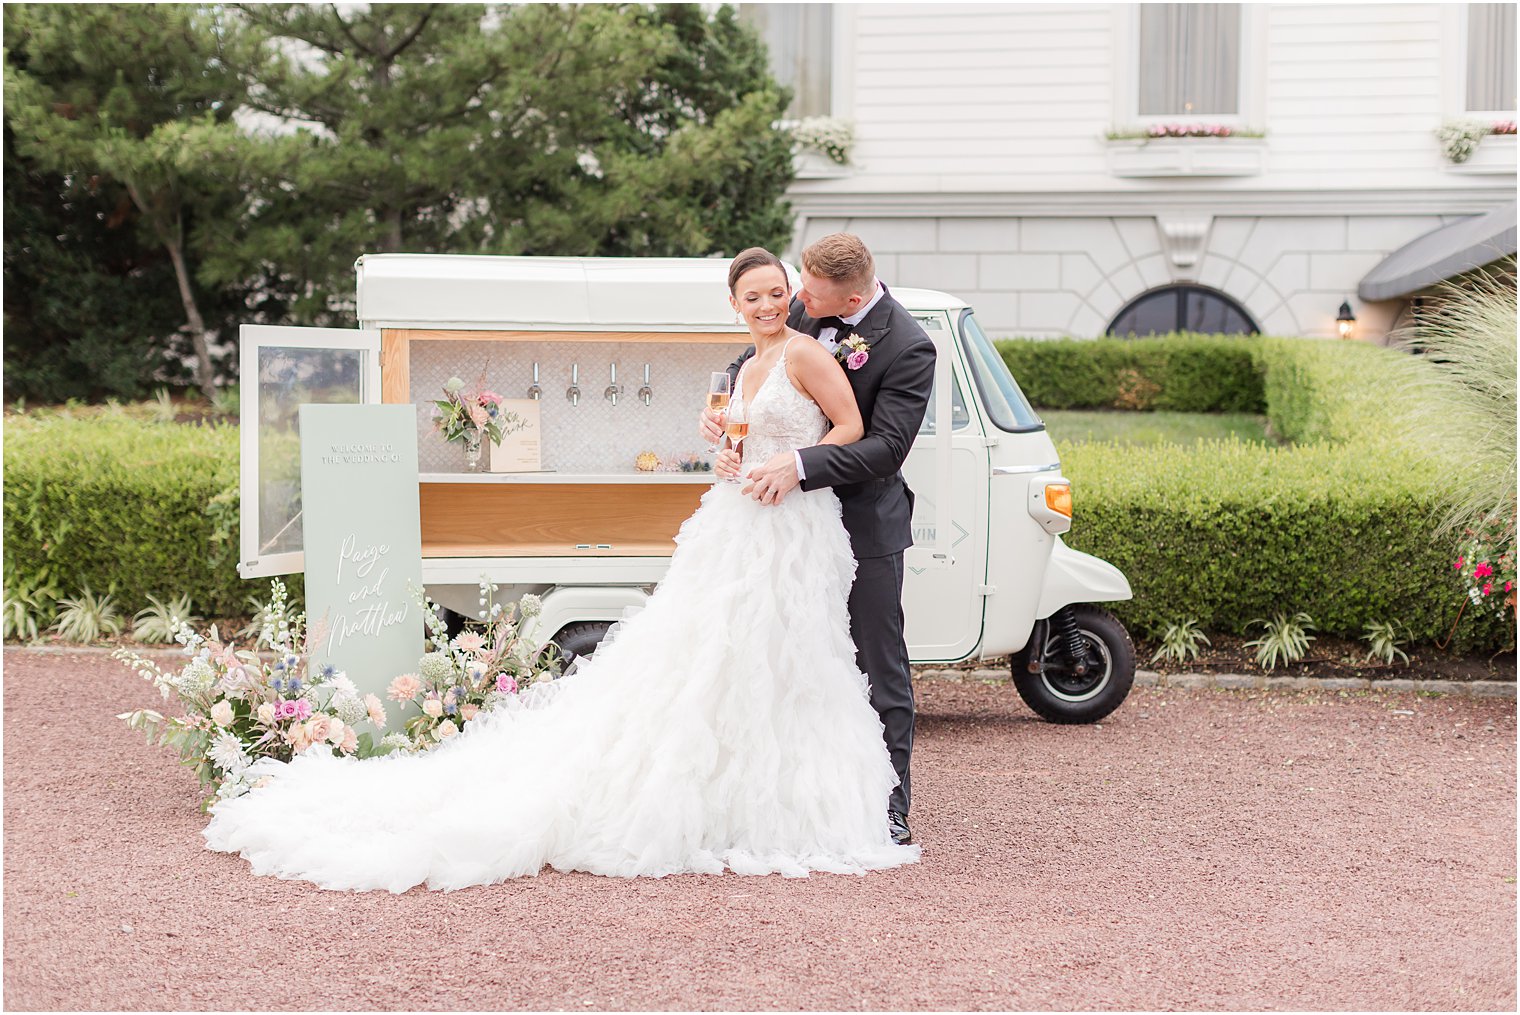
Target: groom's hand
[[711, 426], [770, 482]]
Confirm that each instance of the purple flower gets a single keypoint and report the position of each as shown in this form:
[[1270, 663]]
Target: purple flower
[[857, 359]]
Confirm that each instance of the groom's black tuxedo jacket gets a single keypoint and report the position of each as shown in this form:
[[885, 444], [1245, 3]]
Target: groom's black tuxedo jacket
[[892, 389]]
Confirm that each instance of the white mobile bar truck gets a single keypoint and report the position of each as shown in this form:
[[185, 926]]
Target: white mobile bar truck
[[616, 352]]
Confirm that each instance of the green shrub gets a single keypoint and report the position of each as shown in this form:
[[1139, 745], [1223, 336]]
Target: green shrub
[[1337, 526], [1182, 372], [113, 502]]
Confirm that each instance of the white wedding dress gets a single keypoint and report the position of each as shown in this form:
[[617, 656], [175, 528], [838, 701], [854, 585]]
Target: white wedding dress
[[723, 727]]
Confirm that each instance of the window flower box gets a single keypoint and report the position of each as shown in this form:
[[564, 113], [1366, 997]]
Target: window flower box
[[1491, 152], [1186, 151]]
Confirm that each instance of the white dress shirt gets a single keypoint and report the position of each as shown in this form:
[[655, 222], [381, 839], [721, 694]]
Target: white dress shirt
[[830, 337]]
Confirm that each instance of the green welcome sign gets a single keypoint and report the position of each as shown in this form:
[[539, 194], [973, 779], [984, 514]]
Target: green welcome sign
[[363, 541]]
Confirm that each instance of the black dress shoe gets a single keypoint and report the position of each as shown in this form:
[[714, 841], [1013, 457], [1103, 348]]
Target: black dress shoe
[[901, 834]]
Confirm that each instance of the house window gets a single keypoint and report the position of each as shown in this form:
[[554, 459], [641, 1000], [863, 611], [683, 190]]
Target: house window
[[1490, 58], [1182, 308], [1190, 59], [800, 40]]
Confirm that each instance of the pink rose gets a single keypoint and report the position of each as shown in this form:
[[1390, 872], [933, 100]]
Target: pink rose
[[337, 731], [445, 730], [505, 684], [350, 741], [266, 713], [285, 709], [857, 359], [318, 728], [404, 688], [303, 709], [298, 738], [490, 396]]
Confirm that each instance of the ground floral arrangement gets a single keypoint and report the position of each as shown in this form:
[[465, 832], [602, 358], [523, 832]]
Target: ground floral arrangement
[[242, 705]]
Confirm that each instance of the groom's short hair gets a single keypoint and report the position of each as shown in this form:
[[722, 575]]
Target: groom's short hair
[[841, 257]]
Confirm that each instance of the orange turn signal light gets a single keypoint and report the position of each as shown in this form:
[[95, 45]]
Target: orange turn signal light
[[1058, 498]]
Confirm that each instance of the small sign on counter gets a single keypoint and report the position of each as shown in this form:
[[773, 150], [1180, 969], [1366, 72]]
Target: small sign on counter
[[519, 447]]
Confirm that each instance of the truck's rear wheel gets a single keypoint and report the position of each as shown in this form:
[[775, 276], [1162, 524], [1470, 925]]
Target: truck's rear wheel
[[579, 640], [1064, 691]]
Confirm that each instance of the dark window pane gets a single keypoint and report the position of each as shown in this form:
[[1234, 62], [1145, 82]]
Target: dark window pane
[[1182, 308]]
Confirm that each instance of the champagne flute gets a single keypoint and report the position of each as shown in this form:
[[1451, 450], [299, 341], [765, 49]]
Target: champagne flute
[[736, 427], [717, 400]]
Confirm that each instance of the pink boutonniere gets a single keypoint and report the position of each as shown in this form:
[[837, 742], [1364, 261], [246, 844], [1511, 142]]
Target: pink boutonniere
[[853, 352]]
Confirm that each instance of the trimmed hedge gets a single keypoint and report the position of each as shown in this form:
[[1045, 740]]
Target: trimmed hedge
[[112, 502], [1339, 525], [1182, 372], [1223, 531]]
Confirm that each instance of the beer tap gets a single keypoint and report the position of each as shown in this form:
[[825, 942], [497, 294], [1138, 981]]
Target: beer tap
[[614, 389], [646, 392], [534, 391], [574, 391]]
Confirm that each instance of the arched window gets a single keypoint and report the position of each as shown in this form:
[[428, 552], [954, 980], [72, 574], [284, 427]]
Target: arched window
[[1182, 308]]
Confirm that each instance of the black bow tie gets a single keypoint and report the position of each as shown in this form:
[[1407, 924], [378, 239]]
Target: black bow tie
[[834, 322]]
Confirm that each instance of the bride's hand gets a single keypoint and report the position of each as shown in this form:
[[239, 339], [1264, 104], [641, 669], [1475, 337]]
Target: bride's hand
[[772, 481], [727, 465], [710, 427]]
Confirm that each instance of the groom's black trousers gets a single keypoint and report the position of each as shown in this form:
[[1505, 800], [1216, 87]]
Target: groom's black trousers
[[876, 625]]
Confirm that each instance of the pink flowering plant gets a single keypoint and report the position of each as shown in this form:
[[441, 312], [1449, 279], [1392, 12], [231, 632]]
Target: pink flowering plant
[[1486, 563], [473, 672], [268, 701], [461, 413], [1160, 130]]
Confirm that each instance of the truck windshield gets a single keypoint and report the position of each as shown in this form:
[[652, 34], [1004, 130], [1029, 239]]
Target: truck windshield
[[1005, 403]]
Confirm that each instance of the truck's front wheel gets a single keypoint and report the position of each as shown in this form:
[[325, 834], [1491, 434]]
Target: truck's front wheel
[[1069, 689], [580, 639]]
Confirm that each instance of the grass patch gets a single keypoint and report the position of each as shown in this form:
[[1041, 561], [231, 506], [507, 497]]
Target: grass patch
[[1075, 426]]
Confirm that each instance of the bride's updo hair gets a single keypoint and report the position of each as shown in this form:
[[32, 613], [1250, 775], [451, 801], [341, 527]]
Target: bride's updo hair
[[754, 257]]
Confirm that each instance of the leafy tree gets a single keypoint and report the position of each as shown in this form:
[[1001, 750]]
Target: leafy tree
[[140, 95], [538, 129], [87, 306]]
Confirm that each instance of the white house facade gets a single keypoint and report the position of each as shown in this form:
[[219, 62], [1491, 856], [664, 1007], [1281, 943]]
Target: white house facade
[[1002, 153]]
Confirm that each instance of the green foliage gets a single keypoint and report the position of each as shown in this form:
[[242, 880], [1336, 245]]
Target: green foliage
[[1180, 641], [582, 129], [123, 502], [1068, 426], [87, 617], [1181, 372], [29, 610], [1462, 396], [156, 622], [1383, 641], [1339, 527], [1286, 640]]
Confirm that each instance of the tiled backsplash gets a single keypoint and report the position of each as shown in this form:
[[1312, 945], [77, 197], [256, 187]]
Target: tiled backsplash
[[595, 435]]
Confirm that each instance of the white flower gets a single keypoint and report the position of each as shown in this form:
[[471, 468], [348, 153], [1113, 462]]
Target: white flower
[[335, 731], [228, 754], [196, 678], [445, 730], [342, 685], [398, 741], [349, 708], [530, 605], [436, 666], [221, 713], [433, 707], [266, 713]]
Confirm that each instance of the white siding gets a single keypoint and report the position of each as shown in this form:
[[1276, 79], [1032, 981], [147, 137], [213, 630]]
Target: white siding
[[1017, 97]]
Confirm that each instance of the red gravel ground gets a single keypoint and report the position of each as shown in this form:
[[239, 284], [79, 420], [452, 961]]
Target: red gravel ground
[[1203, 849]]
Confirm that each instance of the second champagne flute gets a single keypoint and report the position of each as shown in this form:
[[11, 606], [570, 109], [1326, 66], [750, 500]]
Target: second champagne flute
[[736, 427], [717, 400]]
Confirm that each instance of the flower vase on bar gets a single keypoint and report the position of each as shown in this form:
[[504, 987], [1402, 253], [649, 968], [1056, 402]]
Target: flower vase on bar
[[468, 417]]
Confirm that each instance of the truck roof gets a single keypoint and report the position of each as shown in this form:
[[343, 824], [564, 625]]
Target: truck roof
[[476, 291]]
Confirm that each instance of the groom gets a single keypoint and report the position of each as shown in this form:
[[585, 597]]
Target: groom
[[889, 361]]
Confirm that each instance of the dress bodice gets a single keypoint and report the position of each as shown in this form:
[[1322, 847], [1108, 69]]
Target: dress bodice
[[781, 418]]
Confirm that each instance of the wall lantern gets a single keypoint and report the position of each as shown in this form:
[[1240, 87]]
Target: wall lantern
[[1345, 321]]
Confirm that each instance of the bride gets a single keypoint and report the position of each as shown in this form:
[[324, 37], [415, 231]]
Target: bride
[[723, 727]]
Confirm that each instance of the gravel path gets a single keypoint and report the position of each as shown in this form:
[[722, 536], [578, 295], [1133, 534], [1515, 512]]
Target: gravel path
[[1201, 849]]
